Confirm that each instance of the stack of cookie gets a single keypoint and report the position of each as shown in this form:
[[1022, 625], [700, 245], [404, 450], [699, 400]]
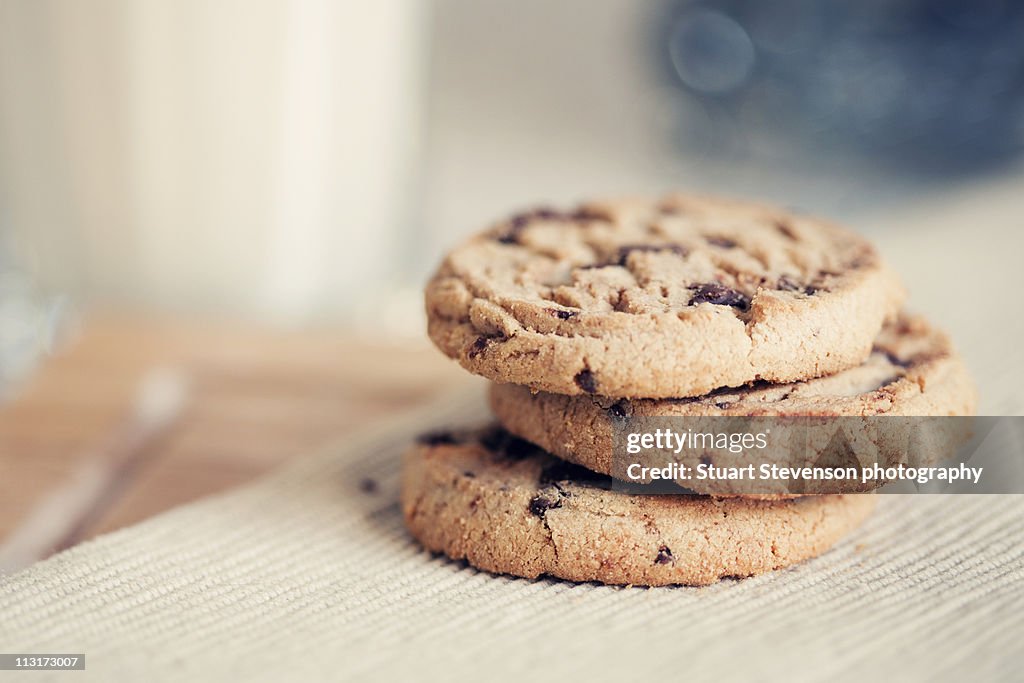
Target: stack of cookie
[[681, 306]]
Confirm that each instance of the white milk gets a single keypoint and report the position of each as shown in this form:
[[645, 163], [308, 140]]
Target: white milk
[[222, 155]]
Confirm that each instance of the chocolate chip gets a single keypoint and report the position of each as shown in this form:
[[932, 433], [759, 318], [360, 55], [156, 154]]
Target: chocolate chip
[[436, 438], [562, 315], [720, 295], [706, 460], [617, 409], [893, 358], [519, 221], [664, 555], [514, 230], [481, 343], [787, 284], [626, 250], [586, 381], [368, 485], [584, 214], [477, 347], [544, 501], [469, 475], [785, 229], [723, 242]]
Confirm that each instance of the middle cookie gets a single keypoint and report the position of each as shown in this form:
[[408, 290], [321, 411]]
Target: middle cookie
[[912, 371]]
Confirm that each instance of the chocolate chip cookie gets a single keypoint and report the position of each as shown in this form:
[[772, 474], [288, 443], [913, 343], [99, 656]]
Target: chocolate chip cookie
[[912, 370], [505, 506], [660, 299]]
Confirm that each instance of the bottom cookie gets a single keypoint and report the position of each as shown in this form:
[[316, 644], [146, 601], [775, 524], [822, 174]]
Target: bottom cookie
[[507, 507]]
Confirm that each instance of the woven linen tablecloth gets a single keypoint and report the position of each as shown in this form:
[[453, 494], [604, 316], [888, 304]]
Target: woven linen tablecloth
[[309, 574], [306, 574]]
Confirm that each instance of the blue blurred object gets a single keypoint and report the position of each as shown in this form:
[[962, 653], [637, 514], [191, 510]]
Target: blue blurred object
[[934, 87]]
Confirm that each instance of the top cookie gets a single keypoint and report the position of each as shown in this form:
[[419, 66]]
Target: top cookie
[[657, 299]]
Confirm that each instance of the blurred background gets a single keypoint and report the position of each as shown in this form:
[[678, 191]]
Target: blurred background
[[254, 192], [310, 160]]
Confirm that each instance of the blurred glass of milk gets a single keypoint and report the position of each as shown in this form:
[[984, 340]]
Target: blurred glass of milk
[[250, 157]]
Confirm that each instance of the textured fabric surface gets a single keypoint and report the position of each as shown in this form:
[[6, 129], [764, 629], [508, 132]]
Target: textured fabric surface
[[306, 574]]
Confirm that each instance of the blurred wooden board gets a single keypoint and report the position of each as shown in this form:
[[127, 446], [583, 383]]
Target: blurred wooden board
[[257, 396]]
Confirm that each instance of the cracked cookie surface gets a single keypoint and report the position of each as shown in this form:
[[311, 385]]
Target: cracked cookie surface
[[668, 298], [505, 506], [912, 371]]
